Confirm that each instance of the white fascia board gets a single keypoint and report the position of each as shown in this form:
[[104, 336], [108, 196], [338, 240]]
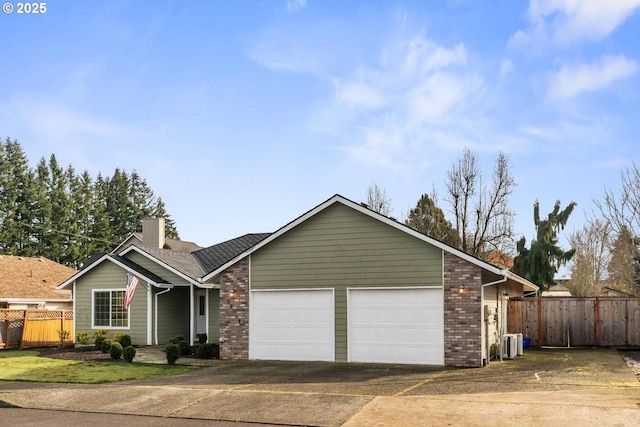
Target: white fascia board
[[159, 262], [129, 237], [375, 215], [105, 257], [524, 282]]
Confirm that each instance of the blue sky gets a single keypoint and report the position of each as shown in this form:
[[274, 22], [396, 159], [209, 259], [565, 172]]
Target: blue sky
[[244, 115]]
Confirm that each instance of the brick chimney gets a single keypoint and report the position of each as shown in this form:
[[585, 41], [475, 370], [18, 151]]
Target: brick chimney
[[153, 232]]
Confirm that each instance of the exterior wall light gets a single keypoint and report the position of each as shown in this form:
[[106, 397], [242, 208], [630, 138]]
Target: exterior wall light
[[462, 288], [232, 293]]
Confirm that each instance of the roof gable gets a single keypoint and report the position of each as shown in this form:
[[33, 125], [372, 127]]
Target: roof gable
[[122, 262], [377, 216], [180, 263]]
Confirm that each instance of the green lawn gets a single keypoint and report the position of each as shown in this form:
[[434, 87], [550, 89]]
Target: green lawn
[[26, 365]]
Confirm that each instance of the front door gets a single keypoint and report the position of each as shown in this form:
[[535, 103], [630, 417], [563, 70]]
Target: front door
[[201, 312]]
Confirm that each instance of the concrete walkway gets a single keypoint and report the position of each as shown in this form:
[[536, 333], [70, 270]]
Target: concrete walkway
[[577, 388]]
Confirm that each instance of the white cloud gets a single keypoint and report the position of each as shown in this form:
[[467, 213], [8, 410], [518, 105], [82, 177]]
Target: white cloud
[[573, 80], [357, 94], [506, 67], [295, 5], [568, 21], [422, 55]]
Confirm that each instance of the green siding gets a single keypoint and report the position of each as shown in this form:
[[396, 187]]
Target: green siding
[[109, 276], [173, 314], [339, 248], [214, 316], [153, 267]]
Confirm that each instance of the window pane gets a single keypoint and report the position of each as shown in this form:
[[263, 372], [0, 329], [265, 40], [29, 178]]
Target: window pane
[[202, 304], [119, 316], [101, 309]]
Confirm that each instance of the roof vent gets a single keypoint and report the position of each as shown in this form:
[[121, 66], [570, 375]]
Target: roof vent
[[363, 204]]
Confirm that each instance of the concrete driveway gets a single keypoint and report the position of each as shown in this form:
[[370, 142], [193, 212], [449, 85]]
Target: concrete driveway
[[549, 387]]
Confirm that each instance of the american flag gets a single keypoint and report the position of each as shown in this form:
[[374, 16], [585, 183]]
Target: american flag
[[132, 282]]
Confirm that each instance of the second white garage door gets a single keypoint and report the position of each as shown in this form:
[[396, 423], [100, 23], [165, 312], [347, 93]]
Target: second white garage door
[[396, 326], [292, 325]]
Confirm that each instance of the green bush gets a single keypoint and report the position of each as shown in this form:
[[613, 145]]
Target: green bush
[[173, 352], [185, 348], [99, 335], [115, 351], [82, 337], [176, 339], [123, 339], [202, 338], [105, 346], [129, 353], [205, 351]]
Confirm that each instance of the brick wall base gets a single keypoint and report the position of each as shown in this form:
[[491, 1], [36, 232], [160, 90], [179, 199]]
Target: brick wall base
[[462, 313], [234, 311]]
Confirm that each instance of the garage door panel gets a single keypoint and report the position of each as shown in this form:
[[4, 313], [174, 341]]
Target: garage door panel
[[292, 325], [396, 326]]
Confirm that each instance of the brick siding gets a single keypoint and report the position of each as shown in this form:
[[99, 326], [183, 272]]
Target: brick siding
[[234, 312], [462, 313]]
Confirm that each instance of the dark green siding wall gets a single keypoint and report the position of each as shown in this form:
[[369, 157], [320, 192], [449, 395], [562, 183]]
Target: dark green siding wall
[[173, 314], [110, 276], [153, 267], [339, 248]]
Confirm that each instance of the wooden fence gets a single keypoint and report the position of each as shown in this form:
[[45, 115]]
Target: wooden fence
[[559, 321], [34, 328]]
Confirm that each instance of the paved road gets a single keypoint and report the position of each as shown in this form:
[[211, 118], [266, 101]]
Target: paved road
[[10, 417], [543, 388]]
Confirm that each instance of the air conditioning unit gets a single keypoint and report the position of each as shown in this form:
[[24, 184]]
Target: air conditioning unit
[[509, 346]]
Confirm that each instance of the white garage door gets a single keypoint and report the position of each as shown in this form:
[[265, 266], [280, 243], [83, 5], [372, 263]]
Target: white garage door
[[396, 326], [292, 325]]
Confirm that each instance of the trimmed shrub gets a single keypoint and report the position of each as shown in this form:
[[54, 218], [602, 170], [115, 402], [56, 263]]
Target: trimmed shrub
[[115, 351], [99, 335], [124, 340], [105, 346], [82, 337], [173, 352], [205, 351], [176, 339], [185, 348], [202, 338], [129, 353]]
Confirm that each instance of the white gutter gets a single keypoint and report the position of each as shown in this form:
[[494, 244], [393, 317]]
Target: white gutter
[[497, 282], [155, 326], [149, 315]]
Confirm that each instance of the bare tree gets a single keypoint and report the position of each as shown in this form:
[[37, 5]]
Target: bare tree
[[623, 210], [377, 200], [482, 215], [592, 256]]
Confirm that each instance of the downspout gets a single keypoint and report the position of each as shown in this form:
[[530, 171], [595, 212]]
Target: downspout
[[155, 326], [149, 314]]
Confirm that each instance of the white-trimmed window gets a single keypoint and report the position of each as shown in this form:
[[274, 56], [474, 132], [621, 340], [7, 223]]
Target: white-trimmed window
[[108, 309]]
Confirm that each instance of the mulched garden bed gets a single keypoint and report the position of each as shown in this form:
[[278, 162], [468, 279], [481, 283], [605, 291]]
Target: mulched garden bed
[[73, 353]]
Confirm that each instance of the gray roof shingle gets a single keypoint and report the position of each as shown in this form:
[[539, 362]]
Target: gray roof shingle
[[217, 255], [181, 261]]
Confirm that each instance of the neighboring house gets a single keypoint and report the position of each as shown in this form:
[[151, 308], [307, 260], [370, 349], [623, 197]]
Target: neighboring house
[[339, 283], [28, 283], [610, 292], [557, 290]]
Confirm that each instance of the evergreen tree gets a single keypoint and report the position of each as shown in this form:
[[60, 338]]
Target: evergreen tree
[[541, 261], [160, 211], [429, 219], [16, 200]]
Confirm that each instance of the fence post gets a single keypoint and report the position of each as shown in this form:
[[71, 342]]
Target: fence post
[[597, 322], [539, 322]]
